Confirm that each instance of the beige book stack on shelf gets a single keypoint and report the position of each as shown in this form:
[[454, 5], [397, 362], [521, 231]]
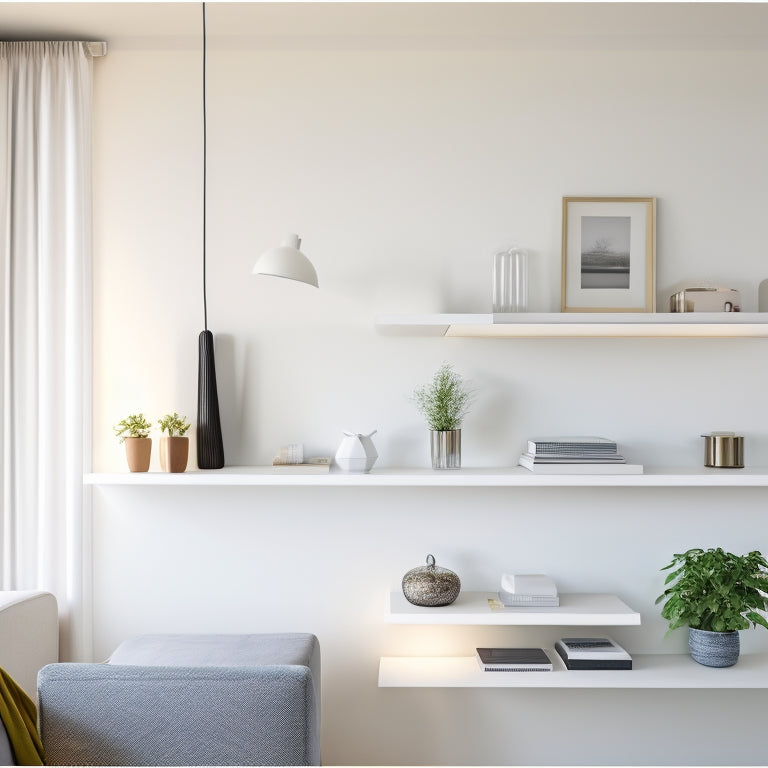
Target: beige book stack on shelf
[[576, 456]]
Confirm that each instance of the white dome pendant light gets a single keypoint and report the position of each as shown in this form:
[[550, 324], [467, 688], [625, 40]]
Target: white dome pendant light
[[286, 260]]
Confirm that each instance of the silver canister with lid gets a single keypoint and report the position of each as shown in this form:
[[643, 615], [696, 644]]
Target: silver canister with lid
[[724, 450]]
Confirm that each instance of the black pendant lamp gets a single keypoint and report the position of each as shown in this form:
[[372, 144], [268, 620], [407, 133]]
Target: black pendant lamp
[[210, 446]]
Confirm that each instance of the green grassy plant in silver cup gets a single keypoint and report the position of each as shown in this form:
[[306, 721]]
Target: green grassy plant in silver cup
[[444, 403]]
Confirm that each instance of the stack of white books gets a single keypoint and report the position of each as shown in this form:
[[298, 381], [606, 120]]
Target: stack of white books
[[528, 591], [576, 455]]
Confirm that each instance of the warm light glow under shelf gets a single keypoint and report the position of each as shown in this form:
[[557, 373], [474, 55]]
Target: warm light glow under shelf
[[608, 330], [582, 325], [649, 671]]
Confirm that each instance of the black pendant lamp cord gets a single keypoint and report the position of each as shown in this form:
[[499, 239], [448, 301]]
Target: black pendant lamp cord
[[210, 446], [205, 174]]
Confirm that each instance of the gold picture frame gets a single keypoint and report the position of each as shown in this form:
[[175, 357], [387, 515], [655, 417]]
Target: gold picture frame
[[609, 254]]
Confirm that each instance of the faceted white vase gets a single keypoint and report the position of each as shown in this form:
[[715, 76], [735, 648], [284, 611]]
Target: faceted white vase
[[357, 452]]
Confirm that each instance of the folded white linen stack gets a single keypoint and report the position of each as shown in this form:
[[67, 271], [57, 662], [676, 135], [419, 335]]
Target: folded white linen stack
[[528, 590]]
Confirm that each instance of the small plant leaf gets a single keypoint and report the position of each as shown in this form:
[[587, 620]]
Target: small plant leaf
[[757, 618]]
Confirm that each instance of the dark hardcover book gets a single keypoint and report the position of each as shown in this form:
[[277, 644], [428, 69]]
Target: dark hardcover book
[[514, 660], [591, 663]]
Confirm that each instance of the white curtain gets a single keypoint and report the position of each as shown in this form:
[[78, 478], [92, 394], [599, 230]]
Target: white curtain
[[45, 352]]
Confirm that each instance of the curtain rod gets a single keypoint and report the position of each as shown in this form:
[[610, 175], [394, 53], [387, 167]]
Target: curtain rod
[[95, 49], [92, 48]]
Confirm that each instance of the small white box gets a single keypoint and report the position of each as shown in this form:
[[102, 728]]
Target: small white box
[[528, 584]]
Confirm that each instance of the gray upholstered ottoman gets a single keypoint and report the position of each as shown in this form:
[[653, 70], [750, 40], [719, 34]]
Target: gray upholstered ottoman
[[187, 700]]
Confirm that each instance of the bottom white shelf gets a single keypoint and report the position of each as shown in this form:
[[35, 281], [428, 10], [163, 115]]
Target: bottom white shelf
[[649, 671]]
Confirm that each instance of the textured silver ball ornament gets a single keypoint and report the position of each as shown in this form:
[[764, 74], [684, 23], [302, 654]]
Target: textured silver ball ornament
[[430, 585]]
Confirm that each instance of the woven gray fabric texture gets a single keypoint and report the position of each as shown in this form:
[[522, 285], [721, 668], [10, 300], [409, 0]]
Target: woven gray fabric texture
[[222, 650], [93, 714], [190, 650], [206, 713]]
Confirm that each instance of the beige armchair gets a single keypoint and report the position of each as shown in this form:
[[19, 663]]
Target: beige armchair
[[29, 640], [29, 635]]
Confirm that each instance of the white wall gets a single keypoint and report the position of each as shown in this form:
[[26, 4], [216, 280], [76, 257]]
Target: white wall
[[405, 144]]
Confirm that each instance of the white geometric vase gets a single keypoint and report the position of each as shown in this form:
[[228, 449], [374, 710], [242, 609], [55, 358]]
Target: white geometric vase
[[357, 452]]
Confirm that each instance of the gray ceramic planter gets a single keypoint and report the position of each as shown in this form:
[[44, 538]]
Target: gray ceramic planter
[[714, 649]]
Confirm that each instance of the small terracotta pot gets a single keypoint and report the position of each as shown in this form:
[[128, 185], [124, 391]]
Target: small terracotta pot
[[174, 452], [137, 452]]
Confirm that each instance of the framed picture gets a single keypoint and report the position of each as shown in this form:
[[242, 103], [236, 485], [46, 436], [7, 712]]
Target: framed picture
[[609, 254]]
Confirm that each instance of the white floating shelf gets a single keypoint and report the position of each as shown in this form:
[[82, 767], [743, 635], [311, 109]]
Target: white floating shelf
[[473, 608], [419, 477], [649, 671], [581, 324]]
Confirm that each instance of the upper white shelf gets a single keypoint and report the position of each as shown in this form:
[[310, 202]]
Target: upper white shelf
[[418, 477], [581, 324], [473, 608]]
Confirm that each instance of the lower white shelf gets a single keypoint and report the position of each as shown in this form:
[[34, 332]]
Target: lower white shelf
[[649, 671]]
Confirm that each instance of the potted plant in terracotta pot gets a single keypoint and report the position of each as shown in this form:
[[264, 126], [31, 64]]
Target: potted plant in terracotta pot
[[134, 432], [444, 402], [715, 594], [174, 448]]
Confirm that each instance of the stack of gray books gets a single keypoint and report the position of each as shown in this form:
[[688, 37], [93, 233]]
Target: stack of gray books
[[576, 455]]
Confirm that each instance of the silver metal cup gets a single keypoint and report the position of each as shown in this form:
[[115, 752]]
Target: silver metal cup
[[446, 449]]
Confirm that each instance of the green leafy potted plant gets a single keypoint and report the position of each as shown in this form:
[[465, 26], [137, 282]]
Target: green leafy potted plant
[[134, 430], [715, 594], [444, 403], [174, 448]]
